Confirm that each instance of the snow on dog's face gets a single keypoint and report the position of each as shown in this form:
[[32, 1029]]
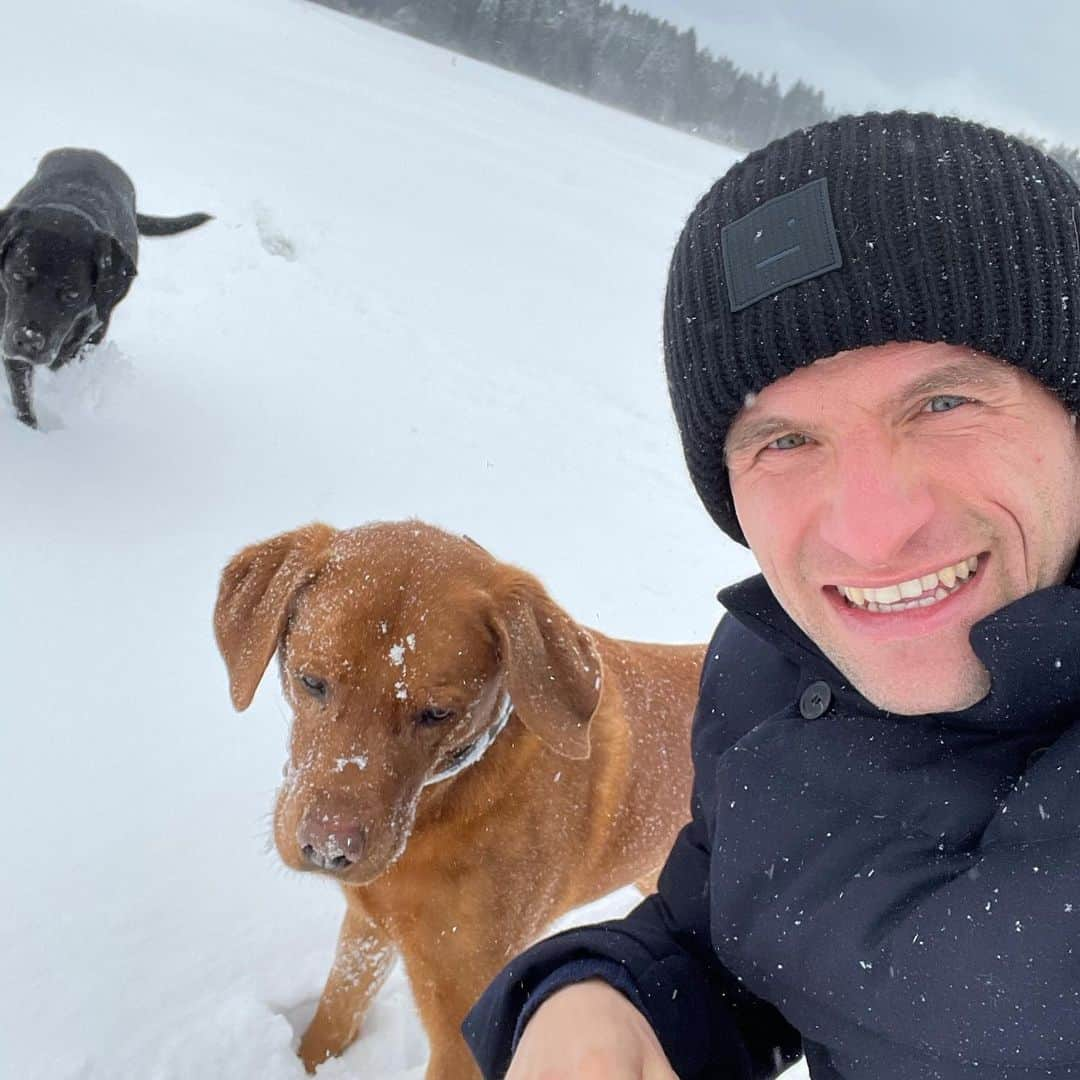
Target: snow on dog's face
[[385, 687], [57, 276], [399, 647]]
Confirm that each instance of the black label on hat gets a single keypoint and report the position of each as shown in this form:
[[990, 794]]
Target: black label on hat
[[787, 240]]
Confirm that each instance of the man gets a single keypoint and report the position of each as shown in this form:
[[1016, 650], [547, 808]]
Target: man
[[872, 339]]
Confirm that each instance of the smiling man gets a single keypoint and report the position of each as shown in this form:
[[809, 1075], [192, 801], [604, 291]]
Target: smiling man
[[872, 339], [895, 496]]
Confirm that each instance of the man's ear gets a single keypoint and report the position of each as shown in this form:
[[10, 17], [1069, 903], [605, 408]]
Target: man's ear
[[553, 671], [114, 272], [256, 590]]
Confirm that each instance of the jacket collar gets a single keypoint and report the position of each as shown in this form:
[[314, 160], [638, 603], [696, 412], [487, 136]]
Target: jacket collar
[[1030, 647]]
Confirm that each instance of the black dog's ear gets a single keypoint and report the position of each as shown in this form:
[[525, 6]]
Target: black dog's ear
[[10, 220], [113, 273]]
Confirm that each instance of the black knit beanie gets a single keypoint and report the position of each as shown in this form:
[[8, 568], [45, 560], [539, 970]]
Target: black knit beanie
[[861, 231]]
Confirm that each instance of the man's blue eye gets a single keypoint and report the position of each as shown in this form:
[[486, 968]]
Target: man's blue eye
[[788, 442], [945, 402]]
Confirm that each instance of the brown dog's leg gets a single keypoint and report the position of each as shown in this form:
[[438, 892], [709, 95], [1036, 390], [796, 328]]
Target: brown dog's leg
[[449, 968], [442, 999], [362, 962], [21, 378]]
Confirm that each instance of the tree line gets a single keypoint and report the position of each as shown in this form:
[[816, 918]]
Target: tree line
[[619, 56], [626, 58]]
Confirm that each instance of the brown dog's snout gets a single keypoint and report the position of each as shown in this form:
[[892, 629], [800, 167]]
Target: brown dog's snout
[[330, 840]]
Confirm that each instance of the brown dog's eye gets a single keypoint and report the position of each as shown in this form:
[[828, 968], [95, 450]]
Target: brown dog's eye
[[432, 716], [314, 686]]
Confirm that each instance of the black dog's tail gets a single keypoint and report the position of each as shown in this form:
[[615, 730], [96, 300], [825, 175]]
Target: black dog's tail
[[166, 226]]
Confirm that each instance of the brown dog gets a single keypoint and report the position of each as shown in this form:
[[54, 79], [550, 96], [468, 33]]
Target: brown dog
[[465, 759]]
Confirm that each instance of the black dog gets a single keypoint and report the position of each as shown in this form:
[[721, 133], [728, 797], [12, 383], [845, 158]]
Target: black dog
[[68, 251]]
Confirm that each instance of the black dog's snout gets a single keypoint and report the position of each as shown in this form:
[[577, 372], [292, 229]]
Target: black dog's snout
[[29, 337]]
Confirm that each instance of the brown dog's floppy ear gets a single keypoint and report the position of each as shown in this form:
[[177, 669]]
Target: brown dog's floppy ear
[[253, 602], [554, 672]]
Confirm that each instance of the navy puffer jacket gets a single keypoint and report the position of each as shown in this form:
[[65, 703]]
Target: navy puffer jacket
[[896, 897]]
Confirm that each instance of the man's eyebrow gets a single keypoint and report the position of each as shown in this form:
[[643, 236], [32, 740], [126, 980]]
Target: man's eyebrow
[[752, 432], [976, 373]]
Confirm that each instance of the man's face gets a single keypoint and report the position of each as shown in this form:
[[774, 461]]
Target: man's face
[[896, 495]]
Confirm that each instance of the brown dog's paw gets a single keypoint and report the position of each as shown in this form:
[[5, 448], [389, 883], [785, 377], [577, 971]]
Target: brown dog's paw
[[320, 1043], [312, 1055]]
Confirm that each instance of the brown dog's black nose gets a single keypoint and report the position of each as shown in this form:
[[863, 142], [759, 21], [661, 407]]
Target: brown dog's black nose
[[330, 841], [29, 338]]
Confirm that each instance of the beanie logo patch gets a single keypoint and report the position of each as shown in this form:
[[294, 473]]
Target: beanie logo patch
[[784, 241]]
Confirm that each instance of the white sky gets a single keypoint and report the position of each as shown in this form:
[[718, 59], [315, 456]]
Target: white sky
[[1012, 65]]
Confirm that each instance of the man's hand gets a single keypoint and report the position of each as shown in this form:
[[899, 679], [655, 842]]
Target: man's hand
[[589, 1031]]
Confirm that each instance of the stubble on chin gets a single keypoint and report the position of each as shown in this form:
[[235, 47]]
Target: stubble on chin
[[942, 686]]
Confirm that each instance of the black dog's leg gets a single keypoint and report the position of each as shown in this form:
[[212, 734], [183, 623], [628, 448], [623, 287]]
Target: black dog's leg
[[21, 378]]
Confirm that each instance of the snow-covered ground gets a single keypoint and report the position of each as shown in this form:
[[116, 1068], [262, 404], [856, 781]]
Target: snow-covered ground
[[432, 288]]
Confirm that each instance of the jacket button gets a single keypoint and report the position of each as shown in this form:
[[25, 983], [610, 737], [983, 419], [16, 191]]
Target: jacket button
[[815, 699]]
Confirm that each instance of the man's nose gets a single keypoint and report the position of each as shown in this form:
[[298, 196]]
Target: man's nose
[[877, 501]]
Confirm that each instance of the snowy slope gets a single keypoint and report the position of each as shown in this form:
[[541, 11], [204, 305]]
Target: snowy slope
[[432, 288]]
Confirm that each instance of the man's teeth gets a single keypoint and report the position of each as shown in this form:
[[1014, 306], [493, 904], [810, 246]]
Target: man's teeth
[[918, 592]]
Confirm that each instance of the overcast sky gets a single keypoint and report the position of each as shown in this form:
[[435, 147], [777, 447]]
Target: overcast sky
[[1012, 64]]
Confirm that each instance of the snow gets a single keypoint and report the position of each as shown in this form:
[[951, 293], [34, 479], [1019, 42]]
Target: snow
[[360, 761], [432, 288]]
